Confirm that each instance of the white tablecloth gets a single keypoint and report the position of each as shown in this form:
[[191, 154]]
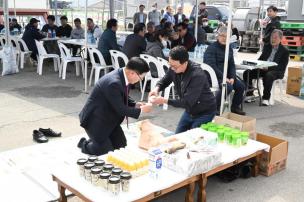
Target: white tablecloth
[[28, 170], [80, 42]]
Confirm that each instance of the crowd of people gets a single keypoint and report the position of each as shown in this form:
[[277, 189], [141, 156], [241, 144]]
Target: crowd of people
[[109, 103]]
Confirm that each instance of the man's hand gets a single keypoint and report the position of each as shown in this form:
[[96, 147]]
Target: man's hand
[[154, 92], [146, 108], [159, 100], [231, 81], [138, 104]]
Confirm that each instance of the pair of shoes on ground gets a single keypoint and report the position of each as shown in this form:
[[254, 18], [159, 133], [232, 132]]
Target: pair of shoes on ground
[[41, 135]]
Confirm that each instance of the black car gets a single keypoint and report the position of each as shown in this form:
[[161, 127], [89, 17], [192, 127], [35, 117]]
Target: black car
[[215, 12]]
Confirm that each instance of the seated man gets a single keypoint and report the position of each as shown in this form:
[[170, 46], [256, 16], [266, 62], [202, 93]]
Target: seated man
[[15, 26], [107, 107], [94, 29], [31, 34], [150, 31], [77, 33], [50, 28], [273, 53], [215, 57], [185, 38], [108, 41], [135, 44], [65, 29]]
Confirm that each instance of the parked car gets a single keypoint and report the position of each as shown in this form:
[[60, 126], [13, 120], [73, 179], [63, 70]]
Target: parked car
[[215, 12]]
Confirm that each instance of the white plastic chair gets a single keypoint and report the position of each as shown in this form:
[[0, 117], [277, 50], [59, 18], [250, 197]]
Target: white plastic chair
[[66, 57], [115, 55], [16, 46], [42, 54], [165, 65], [160, 72], [24, 51], [214, 82], [97, 66]]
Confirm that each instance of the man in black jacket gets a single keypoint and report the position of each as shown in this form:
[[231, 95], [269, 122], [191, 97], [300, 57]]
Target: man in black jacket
[[135, 44], [51, 27], [273, 53], [65, 29], [215, 57], [185, 38], [107, 107], [274, 23], [31, 34], [192, 87]]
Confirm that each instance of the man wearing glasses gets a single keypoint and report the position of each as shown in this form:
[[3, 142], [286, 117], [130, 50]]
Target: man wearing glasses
[[108, 105], [215, 57], [192, 87], [185, 38]]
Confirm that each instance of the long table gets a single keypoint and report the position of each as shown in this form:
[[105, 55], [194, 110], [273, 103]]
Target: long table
[[169, 181], [35, 166]]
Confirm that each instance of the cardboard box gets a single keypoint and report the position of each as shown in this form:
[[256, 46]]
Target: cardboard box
[[276, 159], [244, 123], [294, 81]]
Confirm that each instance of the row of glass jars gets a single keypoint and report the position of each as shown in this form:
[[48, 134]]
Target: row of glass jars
[[104, 175]]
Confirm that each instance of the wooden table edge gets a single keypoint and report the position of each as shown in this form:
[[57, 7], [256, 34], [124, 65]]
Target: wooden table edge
[[187, 182]]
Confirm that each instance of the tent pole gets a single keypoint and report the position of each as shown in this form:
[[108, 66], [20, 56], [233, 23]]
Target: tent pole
[[224, 84]]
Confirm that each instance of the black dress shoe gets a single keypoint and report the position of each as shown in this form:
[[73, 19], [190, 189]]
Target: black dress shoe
[[80, 143], [238, 111], [49, 132], [39, 137]]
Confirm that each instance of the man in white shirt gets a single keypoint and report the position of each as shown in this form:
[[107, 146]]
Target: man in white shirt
[[154, 15], [94, 29]]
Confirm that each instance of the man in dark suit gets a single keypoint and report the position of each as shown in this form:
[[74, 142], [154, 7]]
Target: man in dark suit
[[140, 17], [179, 16], [277, 53], [135, 44], [107, 107], [273, 23]]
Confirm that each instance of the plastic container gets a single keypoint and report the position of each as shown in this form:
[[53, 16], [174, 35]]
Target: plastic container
[[244, 137], [221, 135]]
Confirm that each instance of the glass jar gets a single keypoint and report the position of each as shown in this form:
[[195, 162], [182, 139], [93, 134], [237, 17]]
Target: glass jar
[[80, 163], [116, 171], [87, 171], [103, 180], [125, 181], [99, 163], [114, 185], [95, 171], [108, 167], [92, 158]]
